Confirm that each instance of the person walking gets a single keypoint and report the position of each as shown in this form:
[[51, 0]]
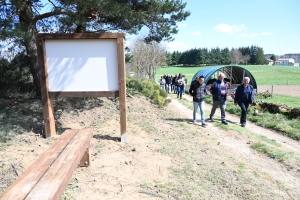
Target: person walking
[[244, 95], [219, 91], [185, 84], [174, 84], [168, 83], [180, 85], [162, 82], [198, 91]]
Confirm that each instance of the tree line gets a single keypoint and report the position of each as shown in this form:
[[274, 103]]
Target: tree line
[[251, 55]]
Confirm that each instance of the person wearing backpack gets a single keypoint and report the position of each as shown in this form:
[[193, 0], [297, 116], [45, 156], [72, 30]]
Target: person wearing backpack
[[198, 91]]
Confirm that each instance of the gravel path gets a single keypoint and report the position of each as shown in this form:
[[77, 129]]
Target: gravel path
[[288, 143]]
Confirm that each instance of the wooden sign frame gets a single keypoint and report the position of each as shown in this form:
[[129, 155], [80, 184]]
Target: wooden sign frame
[[48, 96]]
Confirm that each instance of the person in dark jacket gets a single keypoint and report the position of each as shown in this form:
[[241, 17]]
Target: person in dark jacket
[[198, 91], [219, 90], [244, 95], [168, 83], [195, 81], [174, 84]]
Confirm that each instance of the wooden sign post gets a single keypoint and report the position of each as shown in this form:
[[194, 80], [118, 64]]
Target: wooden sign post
[[81, 65]]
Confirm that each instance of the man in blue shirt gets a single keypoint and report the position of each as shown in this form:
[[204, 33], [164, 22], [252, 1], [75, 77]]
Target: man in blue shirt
[[219, 91], [244, 96]]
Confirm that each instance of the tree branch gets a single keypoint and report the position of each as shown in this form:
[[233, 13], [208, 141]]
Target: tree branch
[[49, 14]]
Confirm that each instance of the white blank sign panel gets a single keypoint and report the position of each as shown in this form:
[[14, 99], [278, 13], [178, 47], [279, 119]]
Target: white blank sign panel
[[82, 65]]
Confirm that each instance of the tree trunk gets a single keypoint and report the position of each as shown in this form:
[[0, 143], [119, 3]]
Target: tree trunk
[[34, 66], [29, 28]]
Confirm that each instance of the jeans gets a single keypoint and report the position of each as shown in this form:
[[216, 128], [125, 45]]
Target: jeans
[[222, 105], [174, 89], [167, 88], [244, 106], [179, 91], [201, 106]]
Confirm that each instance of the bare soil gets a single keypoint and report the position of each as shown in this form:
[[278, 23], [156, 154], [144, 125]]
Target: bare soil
[[163, 150], [289, 90]]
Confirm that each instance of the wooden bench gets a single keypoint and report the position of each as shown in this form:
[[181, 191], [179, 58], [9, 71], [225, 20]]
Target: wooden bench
[[48, 176]]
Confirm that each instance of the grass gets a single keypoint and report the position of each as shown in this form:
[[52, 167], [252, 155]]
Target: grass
[[282, 99], [272, 152], [263, 74]]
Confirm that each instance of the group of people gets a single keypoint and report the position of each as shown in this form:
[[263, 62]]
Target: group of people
[[175, 84], [244, 96]]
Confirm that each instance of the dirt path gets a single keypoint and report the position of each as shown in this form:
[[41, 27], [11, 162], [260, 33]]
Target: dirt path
[[290, 144], [237, 145]]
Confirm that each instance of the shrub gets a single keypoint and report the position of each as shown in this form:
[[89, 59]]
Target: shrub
[[147, 88]]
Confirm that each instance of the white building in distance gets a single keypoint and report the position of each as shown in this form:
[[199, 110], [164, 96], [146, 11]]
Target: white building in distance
[[285, 62]]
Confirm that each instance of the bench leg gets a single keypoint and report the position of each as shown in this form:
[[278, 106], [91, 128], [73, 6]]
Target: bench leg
[[85, 160]]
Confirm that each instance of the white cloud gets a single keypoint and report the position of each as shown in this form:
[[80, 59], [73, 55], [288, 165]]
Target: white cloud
[[230, 29], [196, 33], [177, 46], [253, 35], [181, 25], [266, 33]]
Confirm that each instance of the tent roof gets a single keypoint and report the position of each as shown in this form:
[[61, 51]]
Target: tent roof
[[238, 74]]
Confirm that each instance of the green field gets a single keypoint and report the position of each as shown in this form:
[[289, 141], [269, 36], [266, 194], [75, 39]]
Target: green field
[[277, 98], [263, 74]]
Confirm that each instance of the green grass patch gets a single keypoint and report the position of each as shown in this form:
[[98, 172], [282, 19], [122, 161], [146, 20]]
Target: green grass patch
[[272, 152], [274, 75], [291, 101]]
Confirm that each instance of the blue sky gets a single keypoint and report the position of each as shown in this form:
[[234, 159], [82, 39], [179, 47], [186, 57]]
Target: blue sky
[[270, 24]]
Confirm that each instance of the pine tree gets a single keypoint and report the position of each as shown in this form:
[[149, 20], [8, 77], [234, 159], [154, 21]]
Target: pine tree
[[21, 19]]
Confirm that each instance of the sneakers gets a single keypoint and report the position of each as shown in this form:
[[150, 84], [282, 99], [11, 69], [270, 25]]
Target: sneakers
[[243, 124], [203, 124], [224, 122], [211, 119]]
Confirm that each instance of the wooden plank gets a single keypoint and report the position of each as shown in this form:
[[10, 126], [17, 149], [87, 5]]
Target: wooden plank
[[30, 177], [122, 89], [84, 94], [47, 102], [52, 185], [55, 36]]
